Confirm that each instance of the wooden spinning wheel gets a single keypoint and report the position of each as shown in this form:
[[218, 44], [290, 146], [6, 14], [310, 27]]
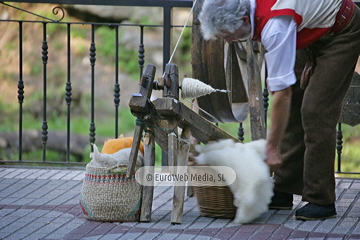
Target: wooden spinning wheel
[[232, 67]]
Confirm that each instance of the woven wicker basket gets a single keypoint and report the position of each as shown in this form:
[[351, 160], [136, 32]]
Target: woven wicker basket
[[214, 201], [108, 196]]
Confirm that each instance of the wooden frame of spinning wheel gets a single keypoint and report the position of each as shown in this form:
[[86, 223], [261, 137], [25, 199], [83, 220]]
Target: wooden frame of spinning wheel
[[213, 67], [167, 113]]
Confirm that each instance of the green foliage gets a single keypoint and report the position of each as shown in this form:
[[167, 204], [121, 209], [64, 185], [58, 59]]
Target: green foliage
[[106, 42], [6, 109], [52, 29], [183, 57], [87, 152], [350, 132], [80, 50], [233, 129], [22, 16], [158, 155], [126, 124], [128, 63], [144, 20], [58, 45], [10, 46], [105, 49], [128, 60], [78, 32], [36, 68], [350, 161]]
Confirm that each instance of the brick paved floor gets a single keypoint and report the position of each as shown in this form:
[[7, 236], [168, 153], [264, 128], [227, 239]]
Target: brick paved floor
[[43, 204]]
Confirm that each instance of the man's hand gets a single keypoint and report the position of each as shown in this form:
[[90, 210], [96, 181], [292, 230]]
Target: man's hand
[[273, 159], [279, 119]]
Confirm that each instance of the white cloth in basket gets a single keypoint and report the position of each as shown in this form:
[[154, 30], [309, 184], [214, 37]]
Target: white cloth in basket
[[109, 160]]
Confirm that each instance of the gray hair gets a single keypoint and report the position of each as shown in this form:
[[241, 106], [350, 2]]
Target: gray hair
[[217, 15]]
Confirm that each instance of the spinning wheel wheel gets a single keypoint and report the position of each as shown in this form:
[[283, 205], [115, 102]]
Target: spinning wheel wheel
[[235, 67]]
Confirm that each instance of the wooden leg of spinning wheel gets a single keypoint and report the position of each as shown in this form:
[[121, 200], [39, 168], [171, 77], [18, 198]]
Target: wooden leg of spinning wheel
[[186, 134], [134, 151], [172, 151], [179, 188], [148, 191]]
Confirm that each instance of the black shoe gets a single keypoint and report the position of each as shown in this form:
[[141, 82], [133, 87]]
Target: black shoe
[[315, 212], [281, 201]]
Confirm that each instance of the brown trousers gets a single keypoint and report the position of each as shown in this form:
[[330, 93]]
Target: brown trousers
[[308, 145]]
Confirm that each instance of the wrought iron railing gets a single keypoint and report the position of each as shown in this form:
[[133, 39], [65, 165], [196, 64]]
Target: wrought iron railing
[[167, 26]]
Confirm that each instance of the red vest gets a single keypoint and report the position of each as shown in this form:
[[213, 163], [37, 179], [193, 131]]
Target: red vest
[[305, 35]]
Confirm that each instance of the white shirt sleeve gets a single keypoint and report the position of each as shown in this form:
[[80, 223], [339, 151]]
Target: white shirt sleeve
[[279, 40]]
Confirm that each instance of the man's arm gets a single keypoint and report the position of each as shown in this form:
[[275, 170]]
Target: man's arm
[[279, 39], [279, 120]]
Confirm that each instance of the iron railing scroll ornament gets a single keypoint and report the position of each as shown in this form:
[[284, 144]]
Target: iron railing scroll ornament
[[55, 11]]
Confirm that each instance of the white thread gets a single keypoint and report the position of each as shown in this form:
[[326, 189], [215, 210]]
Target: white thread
[[187, 85], [193, 104], [193, 88], [182, 31]]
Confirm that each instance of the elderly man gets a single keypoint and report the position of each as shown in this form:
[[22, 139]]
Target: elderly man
[[311, 51]]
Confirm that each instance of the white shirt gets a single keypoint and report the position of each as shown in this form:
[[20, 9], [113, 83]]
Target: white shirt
[[279, 40]]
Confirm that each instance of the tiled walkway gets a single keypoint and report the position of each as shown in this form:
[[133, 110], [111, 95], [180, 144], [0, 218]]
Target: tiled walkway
[[43, 204]]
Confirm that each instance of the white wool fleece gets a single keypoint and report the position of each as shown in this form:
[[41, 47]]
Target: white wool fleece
[[253, 186]]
